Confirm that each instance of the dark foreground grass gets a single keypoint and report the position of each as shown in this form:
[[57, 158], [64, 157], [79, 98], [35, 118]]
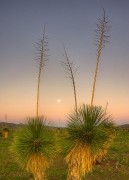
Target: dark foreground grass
[[114, 167]]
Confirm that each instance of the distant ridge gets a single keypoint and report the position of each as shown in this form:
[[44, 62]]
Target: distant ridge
[[124, 126], [11, 125], [14, 126]]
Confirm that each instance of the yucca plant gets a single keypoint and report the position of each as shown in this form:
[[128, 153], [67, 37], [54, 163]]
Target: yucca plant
[[34, 147], [5, 132], [89, 135], [34, 144], [89, 131]]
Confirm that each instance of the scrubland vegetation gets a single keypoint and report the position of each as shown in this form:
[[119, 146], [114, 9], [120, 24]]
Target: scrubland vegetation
[[115, 166]]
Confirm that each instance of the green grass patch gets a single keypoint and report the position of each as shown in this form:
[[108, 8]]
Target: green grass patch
[[115, 166]]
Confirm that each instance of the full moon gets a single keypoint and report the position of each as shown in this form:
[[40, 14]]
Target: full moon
[[58, 100]]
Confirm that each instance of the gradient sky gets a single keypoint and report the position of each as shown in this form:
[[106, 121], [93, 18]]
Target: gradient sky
[[71, 22]]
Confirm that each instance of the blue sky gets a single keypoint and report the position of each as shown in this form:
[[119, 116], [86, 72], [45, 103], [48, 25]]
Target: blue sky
[[70, 22]]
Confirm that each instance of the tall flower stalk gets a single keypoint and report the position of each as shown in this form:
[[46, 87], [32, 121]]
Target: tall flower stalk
[[42, 48], [71, 71], [101, 39]]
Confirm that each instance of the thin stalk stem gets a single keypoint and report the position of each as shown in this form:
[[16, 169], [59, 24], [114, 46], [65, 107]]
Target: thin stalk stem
[[71, 73], [41, 59], [39, 76]]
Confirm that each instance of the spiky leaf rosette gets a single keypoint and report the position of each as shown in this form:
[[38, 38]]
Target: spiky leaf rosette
[[89, 134], [34, 146]]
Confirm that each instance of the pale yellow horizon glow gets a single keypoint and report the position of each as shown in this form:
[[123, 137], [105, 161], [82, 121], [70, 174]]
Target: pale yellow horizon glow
[[55, 111]]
